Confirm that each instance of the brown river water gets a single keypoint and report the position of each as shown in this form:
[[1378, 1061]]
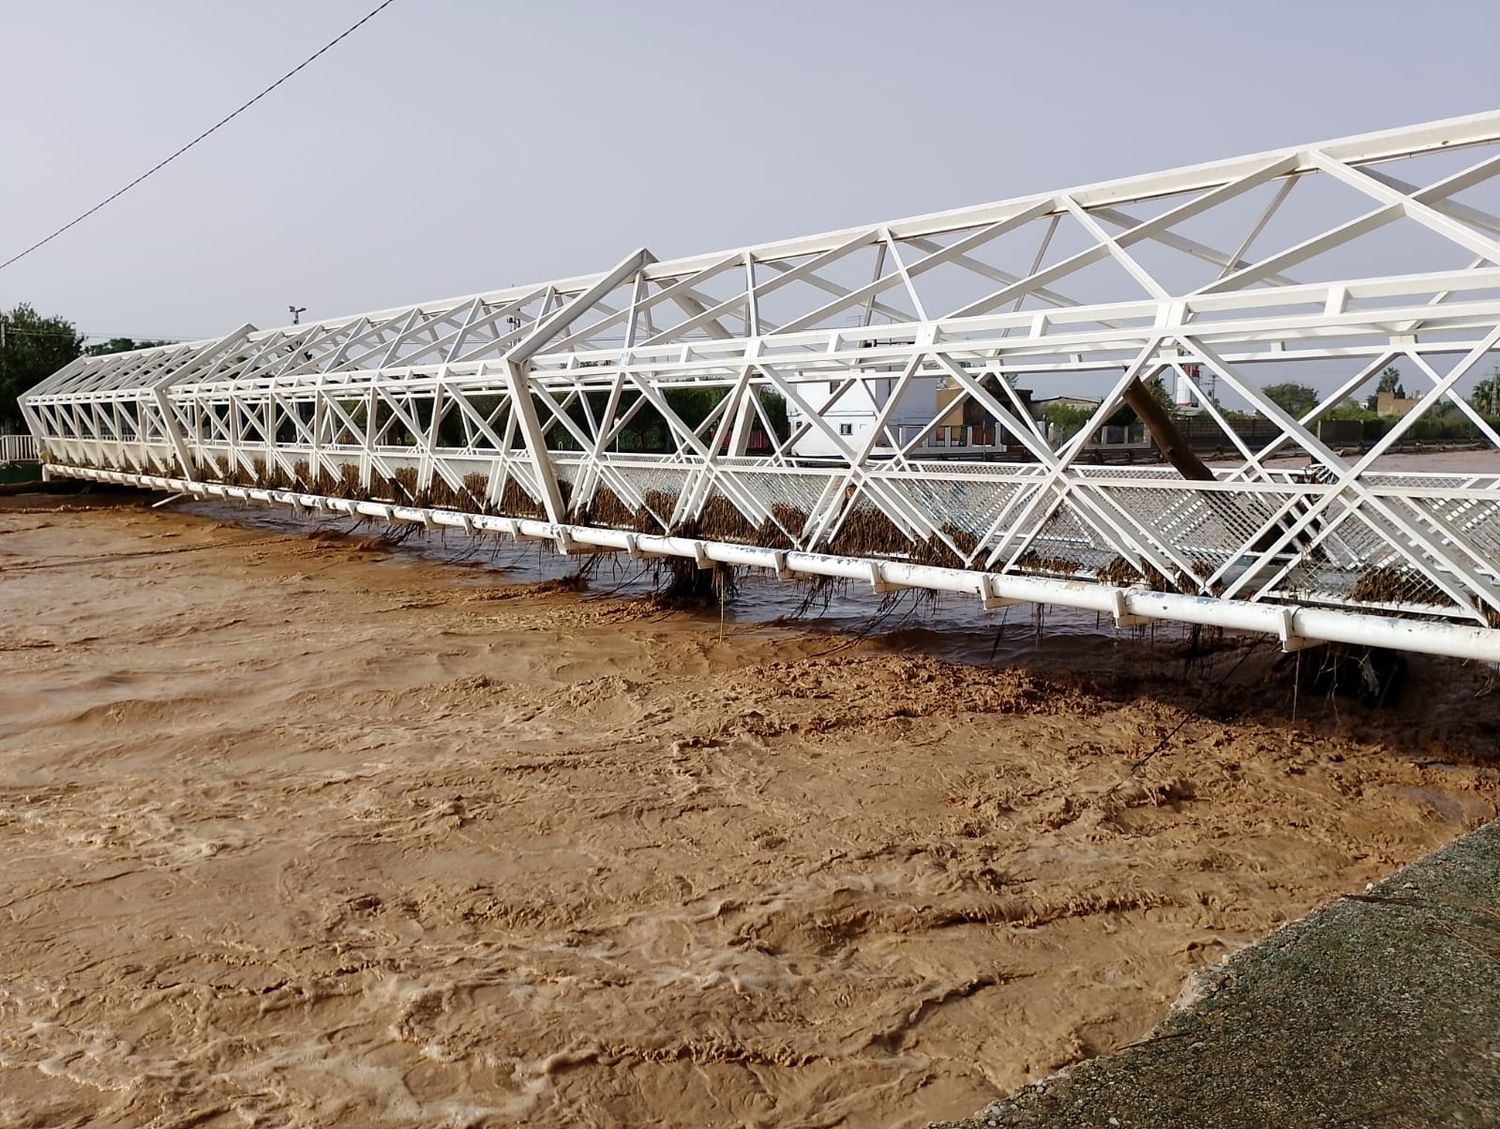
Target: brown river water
[[308, 831]]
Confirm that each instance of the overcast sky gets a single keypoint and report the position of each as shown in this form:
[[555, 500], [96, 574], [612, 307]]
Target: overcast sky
[[453, 146]]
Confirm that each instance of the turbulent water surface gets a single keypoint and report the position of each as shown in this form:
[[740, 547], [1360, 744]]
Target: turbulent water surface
[[316, 831]]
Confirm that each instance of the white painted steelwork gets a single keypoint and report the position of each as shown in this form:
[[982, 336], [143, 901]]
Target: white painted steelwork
[[559, 410]]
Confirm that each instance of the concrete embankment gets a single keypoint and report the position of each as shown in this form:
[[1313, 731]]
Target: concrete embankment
[[1382, 1009]]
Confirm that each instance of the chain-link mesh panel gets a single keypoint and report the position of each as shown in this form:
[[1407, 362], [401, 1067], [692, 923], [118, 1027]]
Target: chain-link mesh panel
[[1064, 545], [643, 480], [790, 497], [566, 469], [970, 507], [1355, 560], [652, 490], [1207, 528], [1142, 473], [1476, 521]]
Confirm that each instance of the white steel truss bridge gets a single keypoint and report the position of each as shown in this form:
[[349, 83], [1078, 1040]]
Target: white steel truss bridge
[[868, 404]]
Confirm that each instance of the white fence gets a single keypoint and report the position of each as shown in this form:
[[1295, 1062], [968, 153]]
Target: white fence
[[18, 449]]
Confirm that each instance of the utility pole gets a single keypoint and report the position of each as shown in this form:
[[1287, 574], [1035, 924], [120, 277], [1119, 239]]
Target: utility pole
[[297, 312]]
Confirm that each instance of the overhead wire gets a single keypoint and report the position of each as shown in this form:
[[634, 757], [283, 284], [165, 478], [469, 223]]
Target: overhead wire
[[12, 331], [112, 197]]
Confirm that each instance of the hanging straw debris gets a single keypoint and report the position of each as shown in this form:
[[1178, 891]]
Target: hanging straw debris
[[445, 496], [867, 532], [682, 584], [1396, 584], [276, 478], [515, 502], [478, 486], [656, 515], [781, 529], [1120, 573], [406, 479], [343, 483], [818, 593], [606, 510], [936, 551], [720, 520], [1031, 561]]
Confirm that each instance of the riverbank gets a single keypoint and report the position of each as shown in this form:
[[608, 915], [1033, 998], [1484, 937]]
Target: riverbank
[[1380, 1010]]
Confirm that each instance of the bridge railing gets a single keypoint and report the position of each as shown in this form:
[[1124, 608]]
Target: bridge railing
[[18, 448]]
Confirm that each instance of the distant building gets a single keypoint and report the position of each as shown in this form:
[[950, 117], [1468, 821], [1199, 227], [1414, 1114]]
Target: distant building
[[1108, 435], [1191, 386], [1039, 407], [965, 425], [1390, 404]]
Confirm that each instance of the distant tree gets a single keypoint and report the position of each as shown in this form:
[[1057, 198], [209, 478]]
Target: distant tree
[[1294, 399], [1486, 395], [774, 405], [1351, 408], [1156, 389], [1390, 381], [693, 405], [1067, 420], [121, 345], [34, 348]]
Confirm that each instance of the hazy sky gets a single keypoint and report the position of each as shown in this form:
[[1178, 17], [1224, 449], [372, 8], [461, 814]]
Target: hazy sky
[[453, 146]]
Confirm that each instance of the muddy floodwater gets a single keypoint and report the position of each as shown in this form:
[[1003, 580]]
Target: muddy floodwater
[[313, 831]]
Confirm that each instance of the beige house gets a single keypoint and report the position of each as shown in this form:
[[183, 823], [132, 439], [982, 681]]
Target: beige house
[[1389, 404]]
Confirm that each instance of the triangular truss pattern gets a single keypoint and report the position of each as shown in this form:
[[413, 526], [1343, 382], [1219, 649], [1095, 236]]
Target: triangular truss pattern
[[866, 394]]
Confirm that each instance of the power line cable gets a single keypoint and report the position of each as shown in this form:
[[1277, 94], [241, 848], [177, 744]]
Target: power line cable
[[167, 339], [211, 129]]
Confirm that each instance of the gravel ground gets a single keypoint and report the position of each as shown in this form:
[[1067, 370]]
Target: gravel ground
[[1382, 1009]]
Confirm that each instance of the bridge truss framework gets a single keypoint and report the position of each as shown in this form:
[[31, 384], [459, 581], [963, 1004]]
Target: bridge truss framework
[[507, 412]]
